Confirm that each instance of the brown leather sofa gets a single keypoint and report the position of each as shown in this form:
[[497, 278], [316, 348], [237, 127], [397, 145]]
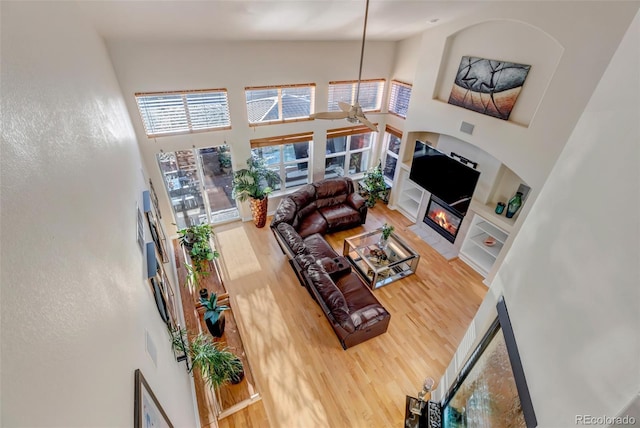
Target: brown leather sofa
[[298, 225]]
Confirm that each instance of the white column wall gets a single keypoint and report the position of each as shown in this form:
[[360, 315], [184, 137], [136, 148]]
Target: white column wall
[[76, 305]]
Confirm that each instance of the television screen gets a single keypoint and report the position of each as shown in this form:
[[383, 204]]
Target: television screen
[[443, 176]]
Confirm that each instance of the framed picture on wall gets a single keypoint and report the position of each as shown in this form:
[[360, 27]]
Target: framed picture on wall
[[147, 410]]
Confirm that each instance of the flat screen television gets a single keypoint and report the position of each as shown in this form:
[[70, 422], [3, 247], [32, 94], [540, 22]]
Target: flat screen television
[[443, 176]]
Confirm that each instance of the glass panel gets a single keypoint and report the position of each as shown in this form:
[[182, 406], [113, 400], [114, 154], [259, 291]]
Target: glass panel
[[296, 102], [262, 105], [208, 110], [336, 145], [360, 141], [358, 162], [296, 151], [334, 167], [340, 92], [278, 185], [390, 167], [394, 144], [270, 154], [218, 175], [370, 95], [163, 114], [399, 100], [296, 174], [182, 182]]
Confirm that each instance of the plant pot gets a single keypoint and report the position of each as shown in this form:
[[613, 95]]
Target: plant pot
[[204, 293], [216, 328], [234, 380], [259, 211]]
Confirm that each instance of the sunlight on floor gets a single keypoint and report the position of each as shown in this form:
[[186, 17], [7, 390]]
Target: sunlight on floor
[[237, 246], [294, 397]]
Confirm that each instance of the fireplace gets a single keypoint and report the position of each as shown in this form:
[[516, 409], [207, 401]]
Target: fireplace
[[443, 218]]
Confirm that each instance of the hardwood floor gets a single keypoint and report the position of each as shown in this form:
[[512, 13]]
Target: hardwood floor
[[304, 376]]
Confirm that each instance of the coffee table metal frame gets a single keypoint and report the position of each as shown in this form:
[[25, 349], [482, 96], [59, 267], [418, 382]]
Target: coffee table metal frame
[[401, 260]]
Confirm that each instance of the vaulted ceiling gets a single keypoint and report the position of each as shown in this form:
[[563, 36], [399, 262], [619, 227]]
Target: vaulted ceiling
[[304, 20]]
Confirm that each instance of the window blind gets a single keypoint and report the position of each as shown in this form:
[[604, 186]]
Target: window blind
[[399, 98], [168, 113], [281, 139], [352, 130], [393, 131], [370, 94]]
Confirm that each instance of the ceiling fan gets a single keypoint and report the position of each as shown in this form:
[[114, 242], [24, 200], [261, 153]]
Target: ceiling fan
[[353, 113]]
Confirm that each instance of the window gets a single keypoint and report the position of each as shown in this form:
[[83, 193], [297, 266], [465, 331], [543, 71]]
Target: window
[[348, 151], [277, 104], [288, 155], [370, 98], [170, 113], [399, 98], [198, 182], [393, 139]]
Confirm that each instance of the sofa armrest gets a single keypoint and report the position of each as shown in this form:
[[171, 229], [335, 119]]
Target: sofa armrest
[[358, 203]]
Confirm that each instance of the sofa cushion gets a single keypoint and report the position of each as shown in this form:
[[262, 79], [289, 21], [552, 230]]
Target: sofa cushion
[[340, 216], [307, 211], [318, 247], [356, 292], [331, 296], [303, 196], [313, 223], [331, 191], [368, 316], [305, 260], [285, 213], [292, 239]]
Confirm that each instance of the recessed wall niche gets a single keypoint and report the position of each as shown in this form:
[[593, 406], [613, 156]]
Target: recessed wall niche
[[527, 45]]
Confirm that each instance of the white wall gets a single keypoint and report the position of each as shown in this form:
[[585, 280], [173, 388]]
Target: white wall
[[524, 32], [162, 66], [571, 280], [75, 303]]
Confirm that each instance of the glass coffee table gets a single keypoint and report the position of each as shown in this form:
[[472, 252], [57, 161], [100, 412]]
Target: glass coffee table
[[380, 263]]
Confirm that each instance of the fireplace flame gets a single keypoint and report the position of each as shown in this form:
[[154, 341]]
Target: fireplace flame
[[440, 217]]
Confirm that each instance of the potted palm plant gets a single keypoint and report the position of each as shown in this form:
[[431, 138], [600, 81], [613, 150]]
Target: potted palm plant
[[214, 314], [255, 183], [216, 363]]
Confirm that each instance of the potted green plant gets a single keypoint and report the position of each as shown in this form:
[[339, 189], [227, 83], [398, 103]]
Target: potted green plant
[[386, 231], [216, 363], [196, 240], [255, 183], [214, 314], [224, 158], [375, 185]]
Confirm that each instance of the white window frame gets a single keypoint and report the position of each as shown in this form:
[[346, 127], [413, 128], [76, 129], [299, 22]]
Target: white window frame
[[348, 152], [397, 103], [184, 106], [280, 142], [388, 134], [279, 89], [351, 86]]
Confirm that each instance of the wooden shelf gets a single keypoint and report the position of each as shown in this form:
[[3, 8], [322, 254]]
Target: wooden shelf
[[228, 399]]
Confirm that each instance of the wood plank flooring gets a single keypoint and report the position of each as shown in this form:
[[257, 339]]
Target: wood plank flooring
[[304, 376]]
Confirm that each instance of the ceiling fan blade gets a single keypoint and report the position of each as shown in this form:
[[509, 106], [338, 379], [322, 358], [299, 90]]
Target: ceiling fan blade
[[330, 115], [363, 120], [344, 106]]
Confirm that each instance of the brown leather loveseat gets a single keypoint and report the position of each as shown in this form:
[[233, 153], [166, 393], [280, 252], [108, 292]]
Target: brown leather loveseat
[[298, 224]]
